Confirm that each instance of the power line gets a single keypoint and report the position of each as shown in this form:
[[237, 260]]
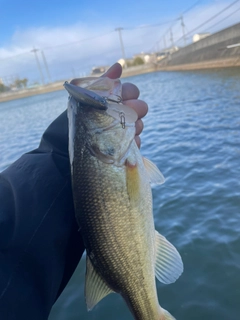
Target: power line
[[140, 27], [150, 25], [177, 19], [60, 45], [76, 42], [193, 6], [86, 39], [16, 55], [210, 19], [223, 19]]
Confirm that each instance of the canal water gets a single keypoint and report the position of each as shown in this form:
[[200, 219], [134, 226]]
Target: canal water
[[192, 133]]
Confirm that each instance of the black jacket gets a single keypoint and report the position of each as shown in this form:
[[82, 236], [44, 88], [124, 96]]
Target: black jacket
[[40, 245]]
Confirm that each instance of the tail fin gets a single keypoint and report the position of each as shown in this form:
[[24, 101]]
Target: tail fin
[[166, 315]]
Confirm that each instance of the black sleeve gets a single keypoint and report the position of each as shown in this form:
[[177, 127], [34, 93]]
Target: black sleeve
[[40, 245]]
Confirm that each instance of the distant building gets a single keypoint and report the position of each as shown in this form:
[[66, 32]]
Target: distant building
[[166, 53], [160, 55], [1, 81], [122, 62], [146, 57], [98, 70], [200, 36]]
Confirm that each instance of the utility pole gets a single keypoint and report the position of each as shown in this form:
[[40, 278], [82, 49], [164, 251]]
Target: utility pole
[[171, 37], [122, 47], [164, 42], [73, 73], [46, 67], [183, 30], [38, 64]]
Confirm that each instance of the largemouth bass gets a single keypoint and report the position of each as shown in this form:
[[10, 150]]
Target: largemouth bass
[[113, 201]]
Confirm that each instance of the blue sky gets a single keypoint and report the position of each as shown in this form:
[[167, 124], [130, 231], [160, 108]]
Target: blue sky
[[24, 14], [76, 35]]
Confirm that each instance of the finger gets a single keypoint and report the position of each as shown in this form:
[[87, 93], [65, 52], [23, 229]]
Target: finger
[[139, 106], [139, 127], [138, 141], [129, 91], [114, 71]]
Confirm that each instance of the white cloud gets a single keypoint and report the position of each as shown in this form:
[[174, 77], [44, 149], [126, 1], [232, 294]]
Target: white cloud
[[69, 53], [64, 48]]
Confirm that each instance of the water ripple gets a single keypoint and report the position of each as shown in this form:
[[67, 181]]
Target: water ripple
[[192, 133]]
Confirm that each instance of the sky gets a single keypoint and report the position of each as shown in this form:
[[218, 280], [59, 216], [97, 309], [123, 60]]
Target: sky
[[73, 36]]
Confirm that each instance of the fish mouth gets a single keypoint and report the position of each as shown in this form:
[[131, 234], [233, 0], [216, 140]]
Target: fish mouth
[[121, 112], [86, 97]]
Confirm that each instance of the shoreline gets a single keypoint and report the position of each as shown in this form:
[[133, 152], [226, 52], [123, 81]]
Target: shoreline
[[57, 86], [133, 71]]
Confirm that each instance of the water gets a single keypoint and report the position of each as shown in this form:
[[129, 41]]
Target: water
[[192, 132]]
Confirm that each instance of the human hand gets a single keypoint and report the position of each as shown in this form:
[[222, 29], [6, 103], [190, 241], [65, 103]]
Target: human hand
[[55, 137], [130, 94]]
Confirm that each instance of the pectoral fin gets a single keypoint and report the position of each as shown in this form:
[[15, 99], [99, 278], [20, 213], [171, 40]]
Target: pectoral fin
[[95, 287], [168, 265], [155, 176]]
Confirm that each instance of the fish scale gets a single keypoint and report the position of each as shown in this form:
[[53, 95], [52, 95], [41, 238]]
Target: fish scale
[[102, 228]]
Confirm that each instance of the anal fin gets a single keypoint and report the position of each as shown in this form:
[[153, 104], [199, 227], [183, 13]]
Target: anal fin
[[95, 287]]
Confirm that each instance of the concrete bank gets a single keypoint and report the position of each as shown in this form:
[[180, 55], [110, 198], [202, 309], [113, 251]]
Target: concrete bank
[[13, 95], [218, 50], [216, 64]]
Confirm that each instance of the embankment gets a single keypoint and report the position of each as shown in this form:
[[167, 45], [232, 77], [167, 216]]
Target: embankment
[[13, 95], [210, 52]]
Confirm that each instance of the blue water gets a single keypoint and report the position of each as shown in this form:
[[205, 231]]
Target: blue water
[[192, 133]]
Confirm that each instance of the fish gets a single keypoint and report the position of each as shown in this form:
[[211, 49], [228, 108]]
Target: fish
[[111, 184]]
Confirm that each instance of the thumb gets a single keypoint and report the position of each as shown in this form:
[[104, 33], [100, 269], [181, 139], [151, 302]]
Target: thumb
[[114, 71]]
